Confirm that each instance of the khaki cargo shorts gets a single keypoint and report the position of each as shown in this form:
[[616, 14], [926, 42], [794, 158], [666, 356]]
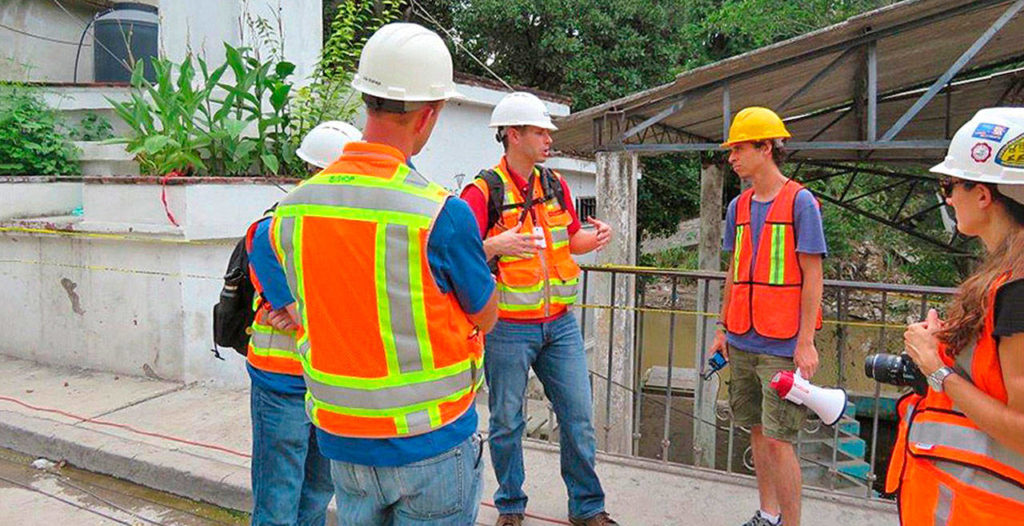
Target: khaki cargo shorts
[[752, 399]]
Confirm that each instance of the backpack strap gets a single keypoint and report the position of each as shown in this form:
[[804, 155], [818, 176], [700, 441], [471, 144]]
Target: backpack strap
[[495, 196], [552, 185]]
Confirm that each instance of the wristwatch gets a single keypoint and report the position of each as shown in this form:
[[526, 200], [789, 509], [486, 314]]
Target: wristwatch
[[936, 378]]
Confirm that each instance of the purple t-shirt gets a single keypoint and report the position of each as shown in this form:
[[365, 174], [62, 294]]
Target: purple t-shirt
[[810, 239]]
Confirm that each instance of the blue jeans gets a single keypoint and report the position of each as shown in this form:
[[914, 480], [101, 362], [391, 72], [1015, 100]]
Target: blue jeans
[[443, 490], [291, 480], [555, 351]]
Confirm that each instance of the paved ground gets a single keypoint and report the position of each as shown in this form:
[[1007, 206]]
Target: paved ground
[[193, 441]]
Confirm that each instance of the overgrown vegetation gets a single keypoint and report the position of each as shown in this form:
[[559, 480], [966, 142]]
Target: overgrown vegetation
[[33, 138]]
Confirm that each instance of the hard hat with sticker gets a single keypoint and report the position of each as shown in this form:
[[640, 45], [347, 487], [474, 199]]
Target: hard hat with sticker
[[990, 131], [1011, 155]]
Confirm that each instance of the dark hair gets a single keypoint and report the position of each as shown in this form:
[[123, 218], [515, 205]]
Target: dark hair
[[502, 134], [778, 149]]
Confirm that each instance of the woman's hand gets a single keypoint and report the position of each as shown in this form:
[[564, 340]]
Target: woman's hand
[[922, 345]]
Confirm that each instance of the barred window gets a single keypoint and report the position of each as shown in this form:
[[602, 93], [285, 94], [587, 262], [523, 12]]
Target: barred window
[[586, 207]]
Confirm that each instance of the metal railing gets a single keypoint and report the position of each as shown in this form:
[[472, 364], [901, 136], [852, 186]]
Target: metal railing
[[674, 308]]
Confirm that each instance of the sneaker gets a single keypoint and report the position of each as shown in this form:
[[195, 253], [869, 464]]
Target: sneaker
[[758, 520], [601, 519], [512, 519]]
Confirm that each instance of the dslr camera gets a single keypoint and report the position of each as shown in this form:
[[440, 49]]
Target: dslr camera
[[897, 370]]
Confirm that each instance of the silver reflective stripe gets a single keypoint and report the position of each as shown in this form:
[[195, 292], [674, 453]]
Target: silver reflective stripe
[[943, 506], [418, 422], [414, 178], [403, 327], [360, 198], [980, 479], [559, 235], [287, 241], [965, 361], [520, 298], [389, 397], [563, 290], [274, 340], [966, 439], [304, 348]]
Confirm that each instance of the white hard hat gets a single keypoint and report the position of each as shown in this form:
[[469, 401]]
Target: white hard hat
[[325, 142], [989, 149], [521, 109], [405, 62]]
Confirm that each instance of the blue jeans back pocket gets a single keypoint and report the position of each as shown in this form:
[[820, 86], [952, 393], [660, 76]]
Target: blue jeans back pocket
[[435, 487]]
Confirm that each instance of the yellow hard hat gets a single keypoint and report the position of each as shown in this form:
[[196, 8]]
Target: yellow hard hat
[[755, 124]]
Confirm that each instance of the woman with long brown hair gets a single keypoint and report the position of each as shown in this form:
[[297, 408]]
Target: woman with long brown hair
[[959, 456]]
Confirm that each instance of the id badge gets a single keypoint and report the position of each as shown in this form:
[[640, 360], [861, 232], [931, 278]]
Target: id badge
[[539, 231]]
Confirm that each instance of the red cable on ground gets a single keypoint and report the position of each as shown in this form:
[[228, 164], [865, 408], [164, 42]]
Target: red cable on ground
[[125, 427], [201, 444]]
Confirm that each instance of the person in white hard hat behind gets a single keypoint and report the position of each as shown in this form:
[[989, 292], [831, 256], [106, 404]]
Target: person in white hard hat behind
[[291, 480], [392, 296], [959, 457], [326, 142], [526, 217]]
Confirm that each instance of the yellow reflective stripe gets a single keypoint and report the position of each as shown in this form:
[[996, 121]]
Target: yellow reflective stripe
[[386, 381], [432, 191], [737, 248], [516, 307], [392, 411], [387, 336], [357, 214], [435, 414], [777, 268], [521, 290], [300, 280]]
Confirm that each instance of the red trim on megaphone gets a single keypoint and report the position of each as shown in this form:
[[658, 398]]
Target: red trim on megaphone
[[782, 382]]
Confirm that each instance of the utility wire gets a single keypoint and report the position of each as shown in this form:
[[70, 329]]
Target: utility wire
[[40, 37], [85, 24], [423, 11]]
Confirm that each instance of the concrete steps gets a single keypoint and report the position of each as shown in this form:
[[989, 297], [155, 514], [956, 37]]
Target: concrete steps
[[835, 456]]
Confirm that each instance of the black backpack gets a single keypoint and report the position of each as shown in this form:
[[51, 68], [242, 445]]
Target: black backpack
[[233, 313], [496, 189]]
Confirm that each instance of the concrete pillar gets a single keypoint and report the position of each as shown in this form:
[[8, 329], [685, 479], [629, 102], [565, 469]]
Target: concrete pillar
[[712, 180], [614, 331]]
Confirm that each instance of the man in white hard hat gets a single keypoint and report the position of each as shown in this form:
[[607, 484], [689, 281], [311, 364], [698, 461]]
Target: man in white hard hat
[[525, 214], [291, 480], [326, 142], [392, 298]]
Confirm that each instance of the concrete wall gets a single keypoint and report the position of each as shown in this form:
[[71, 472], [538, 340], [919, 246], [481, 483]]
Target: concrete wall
[[122, 289], [197, 26], [47, 52]]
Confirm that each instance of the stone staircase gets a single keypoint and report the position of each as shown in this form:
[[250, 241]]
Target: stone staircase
[[75, 102]]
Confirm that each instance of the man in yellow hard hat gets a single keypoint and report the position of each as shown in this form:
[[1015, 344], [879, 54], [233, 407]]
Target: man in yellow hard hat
[[771, 305]]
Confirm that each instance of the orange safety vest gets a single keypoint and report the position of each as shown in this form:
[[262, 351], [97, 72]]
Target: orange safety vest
[[385, 353], [536, 285], [766, 294], [269, 349], [946, 469]]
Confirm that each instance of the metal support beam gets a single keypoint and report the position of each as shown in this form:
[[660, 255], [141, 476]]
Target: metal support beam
[[815, 79], [872, 134], [658, 117], [954, 69], [727, 111], [937, 144]]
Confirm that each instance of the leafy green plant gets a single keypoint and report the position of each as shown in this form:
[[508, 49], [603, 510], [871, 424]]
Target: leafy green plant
[[33, 138], [92, 127], [352, 24]]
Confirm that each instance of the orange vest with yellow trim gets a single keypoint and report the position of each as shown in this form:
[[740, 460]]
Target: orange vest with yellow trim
[[270, 349], [386, 354], [766, 293], [946, 469], [543, 284]]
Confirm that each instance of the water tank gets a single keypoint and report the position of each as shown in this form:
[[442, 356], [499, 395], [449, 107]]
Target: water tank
[[125, 34]]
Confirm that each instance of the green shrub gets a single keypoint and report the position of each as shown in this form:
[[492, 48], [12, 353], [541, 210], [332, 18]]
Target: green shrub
[[33, 138]]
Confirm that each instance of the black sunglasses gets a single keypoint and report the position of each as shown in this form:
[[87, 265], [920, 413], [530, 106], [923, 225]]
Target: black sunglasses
[[946, 184]]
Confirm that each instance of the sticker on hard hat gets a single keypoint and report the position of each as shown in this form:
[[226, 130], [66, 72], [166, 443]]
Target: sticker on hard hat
[[989, 131], [1012, 154], [981, 152]]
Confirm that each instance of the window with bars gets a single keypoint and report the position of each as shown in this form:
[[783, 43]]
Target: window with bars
[[586, 207]]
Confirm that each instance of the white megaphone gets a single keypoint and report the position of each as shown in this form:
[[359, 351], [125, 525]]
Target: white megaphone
[[828, 404]]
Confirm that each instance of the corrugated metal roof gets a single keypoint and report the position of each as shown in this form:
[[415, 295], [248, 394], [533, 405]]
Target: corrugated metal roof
[[917, 40]]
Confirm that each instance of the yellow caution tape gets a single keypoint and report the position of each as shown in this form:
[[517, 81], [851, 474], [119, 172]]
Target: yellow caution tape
[[716, 315], [112, 269], [119, 237]]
